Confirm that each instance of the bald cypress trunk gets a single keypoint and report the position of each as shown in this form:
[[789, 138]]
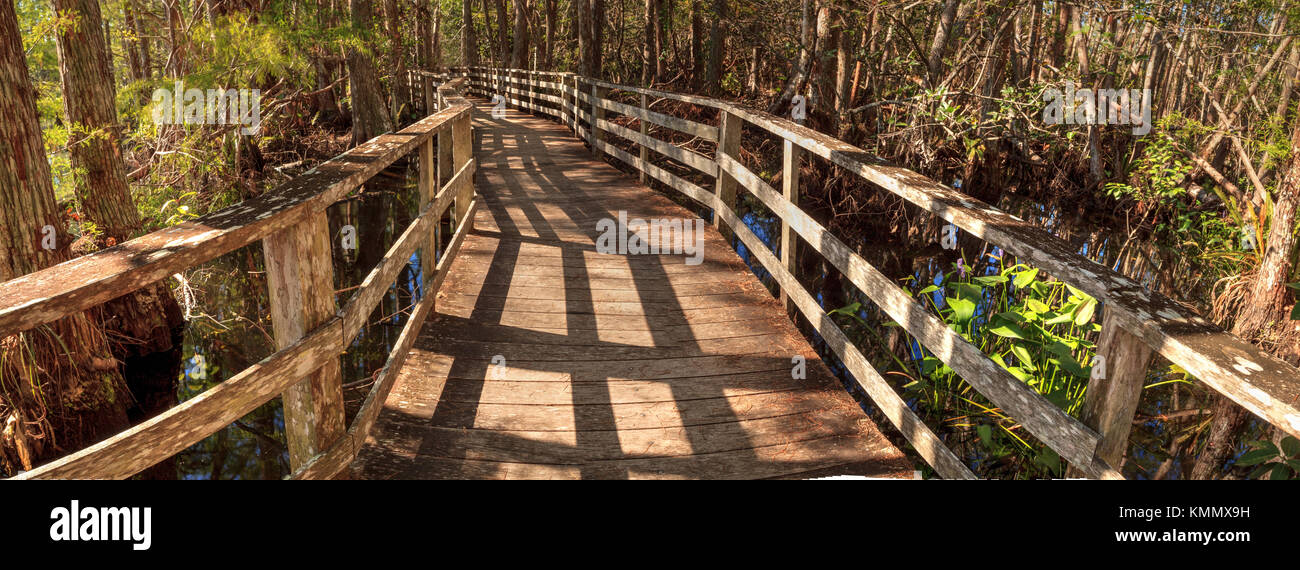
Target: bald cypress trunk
[[519, 59], [1265, 315], [370, 116], [401, 92], [49, 396], [145, 326], [468, 38]]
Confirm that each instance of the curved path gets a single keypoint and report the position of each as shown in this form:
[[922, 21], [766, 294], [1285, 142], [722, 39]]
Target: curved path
[[547, 359]]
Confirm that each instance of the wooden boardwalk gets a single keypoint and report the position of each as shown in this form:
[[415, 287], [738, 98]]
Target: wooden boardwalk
[[545, 359]]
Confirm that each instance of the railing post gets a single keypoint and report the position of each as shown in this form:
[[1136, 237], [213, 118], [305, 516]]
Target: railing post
[[645, 131], [597, 115], [1113, 392], [528, 86], [462, 148], [301, 282], [790, 190], [429, 187], [430, 94], [573, 111], [728, 144]]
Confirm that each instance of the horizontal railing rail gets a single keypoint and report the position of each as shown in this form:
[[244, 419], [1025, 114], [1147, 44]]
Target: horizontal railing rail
[[310, 331], [1136, 323]]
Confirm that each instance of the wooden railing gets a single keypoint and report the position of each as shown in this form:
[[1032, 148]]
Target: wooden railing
[[310, 330], [1136, 323]]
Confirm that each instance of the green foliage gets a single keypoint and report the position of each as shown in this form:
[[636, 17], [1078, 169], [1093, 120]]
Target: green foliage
[[1268, 459], [1158, 173], [1040, 331]]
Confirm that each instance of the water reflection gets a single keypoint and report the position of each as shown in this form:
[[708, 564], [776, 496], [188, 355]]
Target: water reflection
[[229, 327]]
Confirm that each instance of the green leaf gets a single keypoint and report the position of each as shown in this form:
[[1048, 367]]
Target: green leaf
[[1025, 278], [1065, 316], [1280, 473], [1085, 311], [1020, 374], [1037, 306], [1022, 354], [929, 363], [986, 435], [1265, 444], [968, 291], [1255, 457], [1008, 330], [962, 309], [1295, 312], [929, 289], [1049, 459], [1011, 316], [1260, 471], [991, 280], [1291, 446]]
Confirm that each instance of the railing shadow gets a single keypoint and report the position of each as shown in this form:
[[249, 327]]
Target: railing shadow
[[663, 396]]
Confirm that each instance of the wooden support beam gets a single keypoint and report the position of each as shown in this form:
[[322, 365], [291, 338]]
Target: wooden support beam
[[790, 191], [645, 132], [1113, 391], [597, 114], [462, 151], [301, 282], [428, 189], [728, 144]]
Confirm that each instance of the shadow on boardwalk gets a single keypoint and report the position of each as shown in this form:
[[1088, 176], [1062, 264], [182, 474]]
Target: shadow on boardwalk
[[545, 359]]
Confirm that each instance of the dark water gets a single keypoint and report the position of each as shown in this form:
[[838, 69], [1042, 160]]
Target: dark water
[[229, 326]]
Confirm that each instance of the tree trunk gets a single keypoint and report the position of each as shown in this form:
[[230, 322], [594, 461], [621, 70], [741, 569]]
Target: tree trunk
[[649, 55], [799, 75], [397, 58], [942, 32], [176, 38], [1264, 316], [713, 71], [51, 399], [468, 38], [584, 38], [503, 40], [551, 17], [697, 45], [146, 324], [434, 61], [597, 38], [519, 58], [370, 116]]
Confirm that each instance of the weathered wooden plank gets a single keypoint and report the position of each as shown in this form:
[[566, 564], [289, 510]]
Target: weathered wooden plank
[[672, 180], [1115, 388], [188, 423], [729, 130], [84, 282], [706, 132], [1259, 382], [300, 280], [687, 157], [790, 192], [926, 443], [1048, 423]]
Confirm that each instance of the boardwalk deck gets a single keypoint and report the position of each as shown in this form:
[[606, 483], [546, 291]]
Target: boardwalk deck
[[546, 359]]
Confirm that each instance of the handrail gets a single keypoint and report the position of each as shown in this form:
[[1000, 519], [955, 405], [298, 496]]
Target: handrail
[[290, 221], [1135, 324]]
